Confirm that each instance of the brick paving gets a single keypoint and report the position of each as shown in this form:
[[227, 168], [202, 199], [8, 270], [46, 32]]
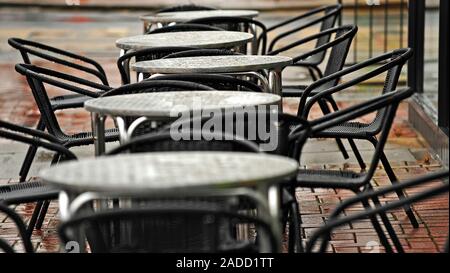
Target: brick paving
[[407, 150]]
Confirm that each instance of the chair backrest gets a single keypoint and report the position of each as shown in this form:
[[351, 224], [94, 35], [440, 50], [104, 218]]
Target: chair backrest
[[15, 218], [387, 104], [38, 77], [326, 21], [192, 140], [30, 49], [148, 54], [170, 226], [216, 81], [337, 218], [184, 27], [338, 46], [238, 24], [189, 7], [264, 126]]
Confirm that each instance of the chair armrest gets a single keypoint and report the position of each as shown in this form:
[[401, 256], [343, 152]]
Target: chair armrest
[[401, 56]]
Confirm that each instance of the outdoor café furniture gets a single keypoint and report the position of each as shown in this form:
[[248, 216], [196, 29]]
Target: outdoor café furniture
[[172, 174], [320, 239], [165, 106], [39, 79], [360, 181], [338, 47], [197, 39], [390, 64], [32, 51], [234, 64], [166, 18], [32, 191]]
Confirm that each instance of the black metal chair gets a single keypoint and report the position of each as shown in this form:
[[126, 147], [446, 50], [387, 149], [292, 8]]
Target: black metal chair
[[32, 191], [166, 227], [325, 16], [239, 24], [339, 47], [356, 182], [148, 54], [184, 27], [391, 64], [4, 246], [38, 78], [319, 240], [33, 51], [216, 81]]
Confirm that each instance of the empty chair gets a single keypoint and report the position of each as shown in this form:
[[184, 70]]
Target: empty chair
[[338, 46], [391, 64], [170, 226], [359, 181], [32, 191], [33, 52], [319, 240], [343, 179]]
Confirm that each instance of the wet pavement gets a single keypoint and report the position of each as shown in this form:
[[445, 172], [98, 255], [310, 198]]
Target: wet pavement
[[94, 33]]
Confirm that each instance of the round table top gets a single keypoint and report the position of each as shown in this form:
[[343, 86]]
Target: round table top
[[200, 39], [169, 171], [213, 64], [183, 16], [163, 105]]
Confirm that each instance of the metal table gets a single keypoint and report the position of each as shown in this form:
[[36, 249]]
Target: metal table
[[200, 39], [230, 64], [173, 173], [165, 106]]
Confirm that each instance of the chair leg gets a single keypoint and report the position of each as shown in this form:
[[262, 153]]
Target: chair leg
[[388, 226], [28, 160], [393, 178], [378, 229], [295, 237], [42, 214], [34, 218]]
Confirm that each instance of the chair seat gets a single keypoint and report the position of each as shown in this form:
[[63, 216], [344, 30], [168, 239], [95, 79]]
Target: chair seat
[[351, 130], [87, 138], [68, 101], [27, 192], [329, 179]]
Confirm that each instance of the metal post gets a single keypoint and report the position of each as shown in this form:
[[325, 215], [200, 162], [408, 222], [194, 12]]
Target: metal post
[[444, 64], [416, 37]]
